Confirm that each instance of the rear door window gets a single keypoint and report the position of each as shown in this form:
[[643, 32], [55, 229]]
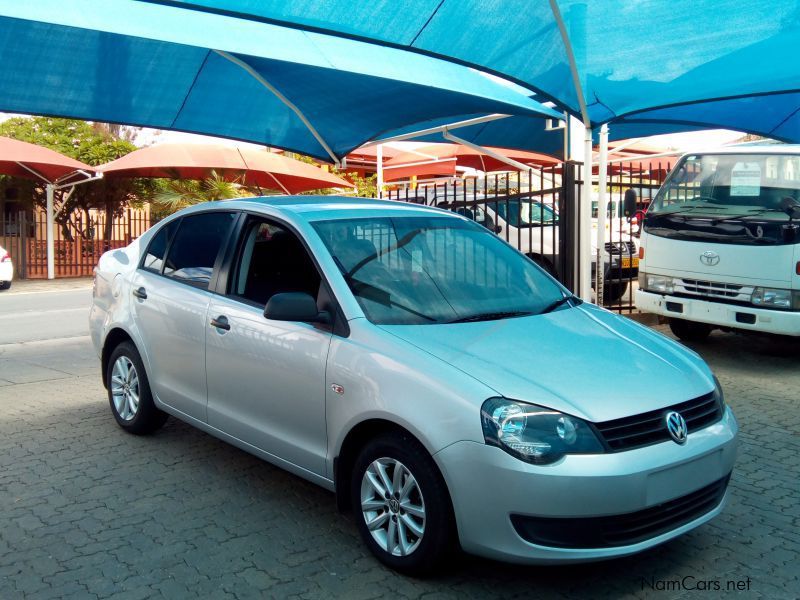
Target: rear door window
[[154, 257], [196, 246]]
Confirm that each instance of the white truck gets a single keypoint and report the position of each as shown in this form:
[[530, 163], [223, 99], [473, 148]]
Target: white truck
[[720, 244]]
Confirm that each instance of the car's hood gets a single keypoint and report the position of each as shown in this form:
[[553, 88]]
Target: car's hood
[[584, 361]]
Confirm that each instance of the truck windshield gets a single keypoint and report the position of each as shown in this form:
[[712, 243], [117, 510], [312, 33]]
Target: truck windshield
[[730, 185], [427, 270]]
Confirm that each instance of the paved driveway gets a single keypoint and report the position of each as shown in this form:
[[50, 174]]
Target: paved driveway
[[87, 510]]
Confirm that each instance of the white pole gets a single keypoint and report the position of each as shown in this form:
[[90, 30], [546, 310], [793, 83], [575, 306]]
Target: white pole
[[585, 287], [379, 162], [602, 173], [51, 269]]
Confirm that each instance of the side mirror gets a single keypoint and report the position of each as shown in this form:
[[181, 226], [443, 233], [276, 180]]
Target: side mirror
[[629, 203], [790, 207], [295, 306]]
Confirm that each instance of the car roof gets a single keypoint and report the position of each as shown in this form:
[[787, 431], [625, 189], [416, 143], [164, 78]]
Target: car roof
[[317, 208]]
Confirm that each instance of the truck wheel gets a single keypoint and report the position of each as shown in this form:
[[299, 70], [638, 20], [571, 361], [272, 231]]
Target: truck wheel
[[613, 292], [689, 331]]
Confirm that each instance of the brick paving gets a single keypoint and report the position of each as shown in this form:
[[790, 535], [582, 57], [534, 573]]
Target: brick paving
[[88, 511]]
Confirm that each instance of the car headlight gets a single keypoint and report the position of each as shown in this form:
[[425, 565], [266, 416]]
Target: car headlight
[[535, 434], [656, 283], [776, 298]]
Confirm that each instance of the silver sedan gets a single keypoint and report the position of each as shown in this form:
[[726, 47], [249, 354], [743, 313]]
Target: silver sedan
[[446, 388]]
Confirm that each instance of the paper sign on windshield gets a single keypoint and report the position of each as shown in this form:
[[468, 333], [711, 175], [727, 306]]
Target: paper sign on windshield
[[746, 179]]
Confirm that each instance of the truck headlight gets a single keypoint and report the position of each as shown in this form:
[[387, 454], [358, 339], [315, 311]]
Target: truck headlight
[[656, 283], [776, 298], [535, 434]]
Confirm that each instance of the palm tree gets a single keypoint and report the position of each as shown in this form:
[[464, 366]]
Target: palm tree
[[177, 193]]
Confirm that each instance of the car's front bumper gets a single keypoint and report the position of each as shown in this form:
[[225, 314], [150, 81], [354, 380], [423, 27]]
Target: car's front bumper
[[733, 316], [488, 486]]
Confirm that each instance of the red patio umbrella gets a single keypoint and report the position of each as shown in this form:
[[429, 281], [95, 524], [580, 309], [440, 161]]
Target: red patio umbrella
[[442, 159], [21, 159], [259, 168]]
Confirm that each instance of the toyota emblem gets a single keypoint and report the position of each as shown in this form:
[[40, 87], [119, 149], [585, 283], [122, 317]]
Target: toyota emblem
[[709, 258], [676, 427]]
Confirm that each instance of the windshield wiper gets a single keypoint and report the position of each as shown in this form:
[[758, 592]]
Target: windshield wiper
[[688, 209], [556, 304], [491, 316]]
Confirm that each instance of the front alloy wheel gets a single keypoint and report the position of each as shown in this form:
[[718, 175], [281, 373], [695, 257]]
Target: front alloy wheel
[[393, 506], [403, 509]]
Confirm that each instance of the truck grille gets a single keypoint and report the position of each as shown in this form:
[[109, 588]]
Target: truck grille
[[649, 428], [714, 289], [621, 530], [621, 247]]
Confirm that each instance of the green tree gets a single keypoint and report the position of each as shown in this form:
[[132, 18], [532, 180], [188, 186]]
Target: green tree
[[92, 144], [175, 194]]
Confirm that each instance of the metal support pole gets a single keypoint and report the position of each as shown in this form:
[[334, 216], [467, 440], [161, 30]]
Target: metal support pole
[[51, 251], [379, 165], [602, 201], [585, 287]]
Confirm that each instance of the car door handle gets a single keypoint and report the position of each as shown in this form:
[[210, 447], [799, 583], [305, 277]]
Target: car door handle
[[221, 322], [140, 293]]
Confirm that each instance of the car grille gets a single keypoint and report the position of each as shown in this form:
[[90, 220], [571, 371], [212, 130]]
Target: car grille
[[621, 530], [621, 248], [714, 289], [649, 428]]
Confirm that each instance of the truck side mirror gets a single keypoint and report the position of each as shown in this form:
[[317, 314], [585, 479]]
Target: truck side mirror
[[629, 203]]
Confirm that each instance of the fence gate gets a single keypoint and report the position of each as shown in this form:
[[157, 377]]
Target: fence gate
[[23, 235], [539, 211]]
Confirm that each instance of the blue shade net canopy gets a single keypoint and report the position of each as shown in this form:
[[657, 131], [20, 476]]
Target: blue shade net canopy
[[154, 65], [656, 66]]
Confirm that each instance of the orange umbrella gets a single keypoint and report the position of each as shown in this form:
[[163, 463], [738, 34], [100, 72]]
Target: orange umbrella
[[250, 167], [21, 159], [442, 159]]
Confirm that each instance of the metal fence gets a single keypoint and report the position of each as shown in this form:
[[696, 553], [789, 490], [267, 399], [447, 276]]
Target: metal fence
[[77, 250], [538, 213]]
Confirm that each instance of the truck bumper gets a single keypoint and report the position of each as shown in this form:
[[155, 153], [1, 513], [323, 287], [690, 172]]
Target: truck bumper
[[720, 314]]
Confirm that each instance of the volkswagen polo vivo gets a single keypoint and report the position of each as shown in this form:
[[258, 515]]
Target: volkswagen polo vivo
[[445, 387]]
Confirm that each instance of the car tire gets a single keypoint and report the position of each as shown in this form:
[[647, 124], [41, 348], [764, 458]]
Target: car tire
[[129, 392], [689, 331], [5, 285], [412, 530]]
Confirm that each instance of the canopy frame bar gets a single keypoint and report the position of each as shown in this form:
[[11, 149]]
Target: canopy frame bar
[[437, 129], [573, 67], [289, 104], [495, 155]]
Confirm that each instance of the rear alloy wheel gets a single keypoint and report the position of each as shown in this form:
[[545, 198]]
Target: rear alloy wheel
[[689, 331], [401, 503], [129, 392]]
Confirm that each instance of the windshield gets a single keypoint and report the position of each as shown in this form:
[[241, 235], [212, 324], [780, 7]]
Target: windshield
[[424, 270], [611, 209], [521, 213], [730, 185]]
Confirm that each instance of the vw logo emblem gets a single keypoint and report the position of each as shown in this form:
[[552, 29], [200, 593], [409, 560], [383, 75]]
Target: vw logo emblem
[[676, 427], [710, 258]]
